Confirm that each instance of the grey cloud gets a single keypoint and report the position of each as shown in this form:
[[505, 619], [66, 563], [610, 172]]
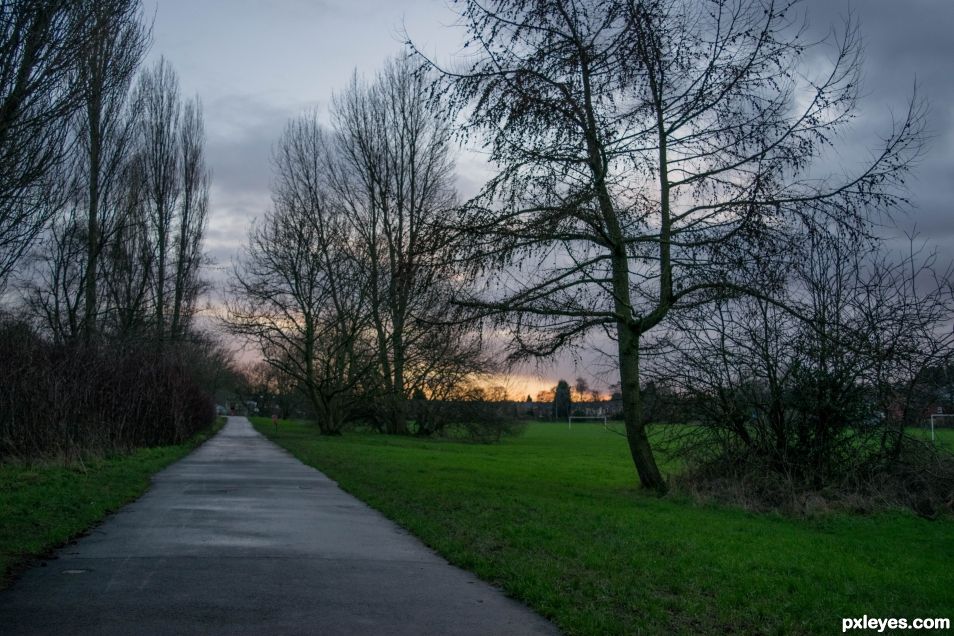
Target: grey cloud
[[906, 44], [241, 133]]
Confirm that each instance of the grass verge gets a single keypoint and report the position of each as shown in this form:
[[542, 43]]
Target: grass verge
[[555, 519], [44, 505]]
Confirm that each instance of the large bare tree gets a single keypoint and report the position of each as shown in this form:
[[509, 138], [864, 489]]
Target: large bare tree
[[393, 171], [157, 99], [299, 292], [192, 216], [648, 152], [176, 185], [117, 42]]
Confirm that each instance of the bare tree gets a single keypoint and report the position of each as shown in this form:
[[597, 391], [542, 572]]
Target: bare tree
[[298, 293], [192, 217], [393, 171], [170, 147], [649, 151], [129, 259], [40, 48], [157, 100], [116, 45]]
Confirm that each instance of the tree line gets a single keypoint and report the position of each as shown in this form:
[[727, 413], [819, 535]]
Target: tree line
[[103, 209]]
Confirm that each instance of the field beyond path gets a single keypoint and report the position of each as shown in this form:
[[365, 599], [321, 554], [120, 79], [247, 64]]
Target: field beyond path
[[240, 537]]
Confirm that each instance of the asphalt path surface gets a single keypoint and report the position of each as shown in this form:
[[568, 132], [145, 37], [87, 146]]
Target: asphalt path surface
[[241, 538]]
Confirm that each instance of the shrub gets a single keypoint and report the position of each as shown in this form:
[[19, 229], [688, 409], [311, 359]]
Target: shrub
[[65, 400]]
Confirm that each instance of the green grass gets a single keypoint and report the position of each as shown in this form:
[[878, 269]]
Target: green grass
[[554, 518], [943, 437], [44, 505]]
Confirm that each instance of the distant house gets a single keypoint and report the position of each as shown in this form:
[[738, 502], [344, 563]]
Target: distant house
[[537, 410], [591, 409], [896, 411]]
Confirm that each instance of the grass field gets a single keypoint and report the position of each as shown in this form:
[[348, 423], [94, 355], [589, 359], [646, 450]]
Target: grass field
[[555, 519], [44, 505], [943, 437]]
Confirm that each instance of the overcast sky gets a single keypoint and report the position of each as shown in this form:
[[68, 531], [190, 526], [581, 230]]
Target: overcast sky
[[257, 63]]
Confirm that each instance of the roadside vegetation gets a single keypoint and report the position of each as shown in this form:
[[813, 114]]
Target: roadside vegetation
[[104, 199], [554, 518], [47, 503]]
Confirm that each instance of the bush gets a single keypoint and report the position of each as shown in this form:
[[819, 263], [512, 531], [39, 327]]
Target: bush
[[921, 479], [66, 400], [811, 393]]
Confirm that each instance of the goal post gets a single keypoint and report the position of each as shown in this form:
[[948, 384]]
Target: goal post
[[939, 416], [591, 418]]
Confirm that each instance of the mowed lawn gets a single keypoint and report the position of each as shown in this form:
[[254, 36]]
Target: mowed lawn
[[555, 519], [45, 504]]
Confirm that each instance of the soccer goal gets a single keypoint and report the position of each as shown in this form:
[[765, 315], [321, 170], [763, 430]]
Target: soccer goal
[[586, 418], [938, 416]]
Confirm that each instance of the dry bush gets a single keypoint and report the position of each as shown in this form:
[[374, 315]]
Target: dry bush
[[808, 398], [922, 481], [68, 400]]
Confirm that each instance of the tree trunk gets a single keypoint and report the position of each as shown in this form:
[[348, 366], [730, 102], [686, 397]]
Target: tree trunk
[[398, 423], [627, 333], [92, 230], [180, 277], [162, 239], [328, 413], [639, 448]]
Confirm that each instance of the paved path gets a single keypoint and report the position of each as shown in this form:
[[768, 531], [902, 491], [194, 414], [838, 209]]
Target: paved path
[[241, 538]]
